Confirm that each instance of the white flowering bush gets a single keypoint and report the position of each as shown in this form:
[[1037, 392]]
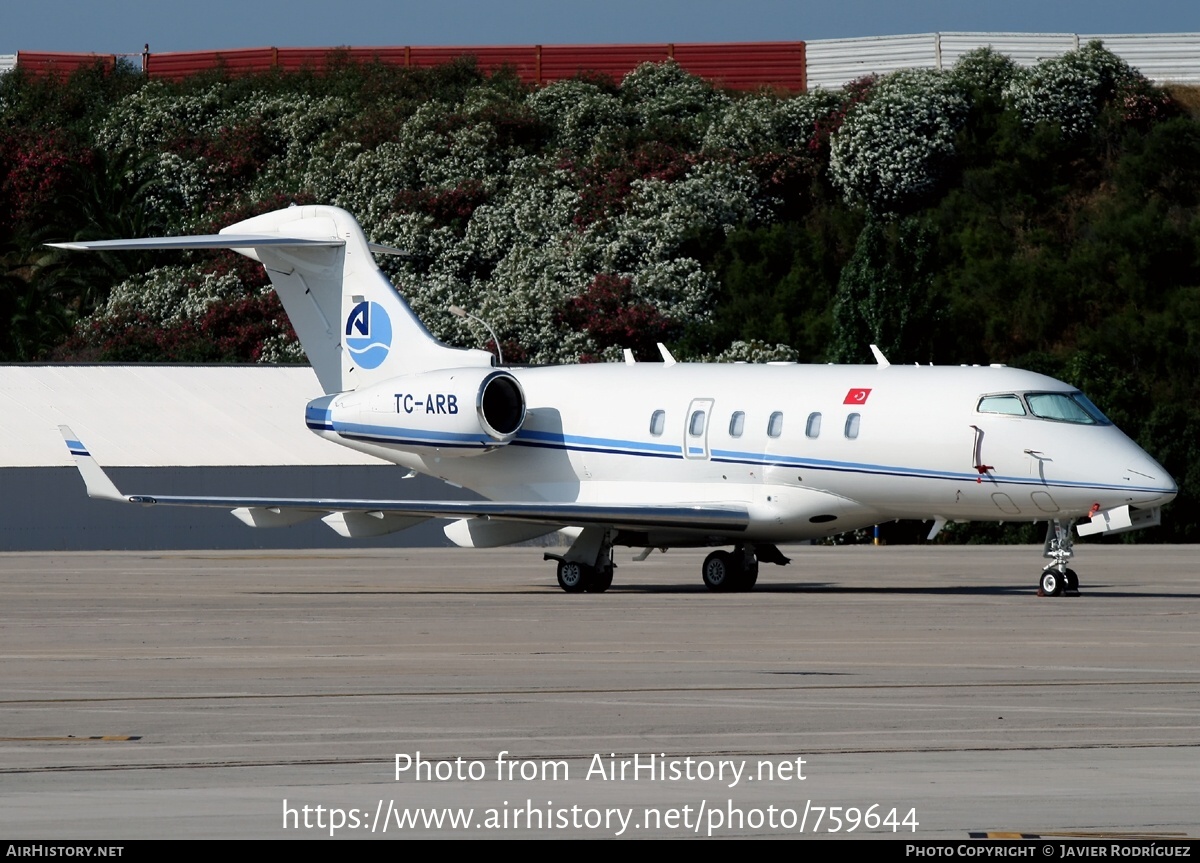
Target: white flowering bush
[[761, 123], [665, 95], [544, 212], [1069, 91], [166, 295], [282, 349], [582, 116], [756, 351], [984, 72], [748, 125], [892, 150], [197, 152]]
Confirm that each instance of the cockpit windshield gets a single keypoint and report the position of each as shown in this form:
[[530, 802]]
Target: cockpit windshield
[[1004, 404], [1058, 407], [1065, 407]]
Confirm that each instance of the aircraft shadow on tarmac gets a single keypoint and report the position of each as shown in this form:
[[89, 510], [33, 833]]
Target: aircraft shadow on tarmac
[[1097, 591]]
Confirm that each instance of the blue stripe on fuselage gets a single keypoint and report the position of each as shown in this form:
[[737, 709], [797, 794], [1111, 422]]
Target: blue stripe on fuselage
[[319, 420]]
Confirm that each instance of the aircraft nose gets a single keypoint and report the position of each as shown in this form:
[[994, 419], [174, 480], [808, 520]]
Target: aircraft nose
[[1149, 477]]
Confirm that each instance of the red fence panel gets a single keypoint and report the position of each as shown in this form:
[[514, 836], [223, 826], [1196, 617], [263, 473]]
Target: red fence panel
[[746, 66], [615, 61], [740, 66], [490, 57], [180, 64], [49, 63]]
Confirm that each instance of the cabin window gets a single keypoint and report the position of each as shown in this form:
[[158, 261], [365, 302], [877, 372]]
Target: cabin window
[[775, 424], [1066, 408], [852, 425], [1006, 404], [812, 428], [696, 424], [737, 423], [658, 419]]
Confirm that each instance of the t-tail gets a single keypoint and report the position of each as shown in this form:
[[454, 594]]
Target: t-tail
[[354, 327]]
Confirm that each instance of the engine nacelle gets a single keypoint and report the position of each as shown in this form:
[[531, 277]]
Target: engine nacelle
[[457, 412]]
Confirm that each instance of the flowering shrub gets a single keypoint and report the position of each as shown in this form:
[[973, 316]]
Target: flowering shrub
[[228, 330], [755, 351], [1069, 91], [185, 314], [582, 117], [668, 100], [608, 311], [166, 295], [36, 171], [572, 217], [827, 123], [984, 72], [201, 151], [892, 150]]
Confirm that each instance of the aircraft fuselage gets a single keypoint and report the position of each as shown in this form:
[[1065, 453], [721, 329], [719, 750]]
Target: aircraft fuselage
[[810, 450]]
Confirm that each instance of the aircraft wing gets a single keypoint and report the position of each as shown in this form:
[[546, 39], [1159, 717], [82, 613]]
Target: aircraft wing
[[717, 518]]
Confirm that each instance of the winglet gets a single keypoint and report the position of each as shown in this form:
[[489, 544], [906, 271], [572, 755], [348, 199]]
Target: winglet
[[97, 481]]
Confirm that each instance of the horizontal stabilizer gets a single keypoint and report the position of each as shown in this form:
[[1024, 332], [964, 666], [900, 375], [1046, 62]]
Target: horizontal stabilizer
[[201, 241], [354, 326]]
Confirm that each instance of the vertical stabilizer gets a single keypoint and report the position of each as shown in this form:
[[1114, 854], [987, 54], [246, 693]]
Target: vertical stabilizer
[[355, 328]]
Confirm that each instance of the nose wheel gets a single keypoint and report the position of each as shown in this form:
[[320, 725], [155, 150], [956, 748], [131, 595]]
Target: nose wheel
[[1058, 579]]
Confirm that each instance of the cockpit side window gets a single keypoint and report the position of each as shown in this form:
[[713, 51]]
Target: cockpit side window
[[1066, 408], [1005, 404]]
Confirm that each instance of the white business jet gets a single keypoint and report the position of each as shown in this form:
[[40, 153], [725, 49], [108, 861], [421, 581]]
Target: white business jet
[[655, 455]]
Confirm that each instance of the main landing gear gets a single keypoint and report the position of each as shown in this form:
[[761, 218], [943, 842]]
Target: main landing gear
[[738, 569], [588, 564], [576, 577], [1057, 579], [725, 570]]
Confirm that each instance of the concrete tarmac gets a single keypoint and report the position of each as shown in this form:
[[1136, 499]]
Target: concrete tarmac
[[276, 694]]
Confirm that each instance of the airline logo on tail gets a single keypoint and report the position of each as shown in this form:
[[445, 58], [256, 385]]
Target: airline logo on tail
[[368, 334]]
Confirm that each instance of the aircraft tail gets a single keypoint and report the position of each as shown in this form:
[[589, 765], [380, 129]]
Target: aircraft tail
[[354, 327]]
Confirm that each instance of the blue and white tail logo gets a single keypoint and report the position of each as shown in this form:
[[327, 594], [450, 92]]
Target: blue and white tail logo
[[368, 334]]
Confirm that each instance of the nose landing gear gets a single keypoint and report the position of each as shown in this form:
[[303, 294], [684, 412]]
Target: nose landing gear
[[1057, 579]]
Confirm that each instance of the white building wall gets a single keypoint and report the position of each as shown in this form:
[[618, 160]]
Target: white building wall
[[832, 63]]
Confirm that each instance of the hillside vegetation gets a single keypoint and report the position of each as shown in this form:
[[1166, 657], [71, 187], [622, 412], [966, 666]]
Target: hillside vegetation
[[1047, 218]]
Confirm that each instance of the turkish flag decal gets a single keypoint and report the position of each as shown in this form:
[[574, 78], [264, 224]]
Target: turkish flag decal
[[857, 396]]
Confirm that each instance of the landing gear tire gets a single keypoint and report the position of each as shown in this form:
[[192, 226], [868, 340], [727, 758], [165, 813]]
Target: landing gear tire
[[574, 577], [1070, 583], [719, 571], [749, 576], [1051, 582], [601, 580]]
